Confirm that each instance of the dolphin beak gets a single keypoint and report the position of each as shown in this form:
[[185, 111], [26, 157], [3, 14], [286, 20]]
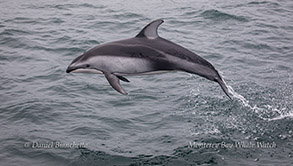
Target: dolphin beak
[[70, 69]]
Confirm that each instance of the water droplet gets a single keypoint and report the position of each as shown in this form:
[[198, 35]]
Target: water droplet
[[282, 136]]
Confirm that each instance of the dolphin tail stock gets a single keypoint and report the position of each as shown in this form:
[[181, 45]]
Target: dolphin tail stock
[[223, 85], [114, 82], [208, 72]]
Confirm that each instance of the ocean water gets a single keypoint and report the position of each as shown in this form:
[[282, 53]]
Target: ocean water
[[49, 117]]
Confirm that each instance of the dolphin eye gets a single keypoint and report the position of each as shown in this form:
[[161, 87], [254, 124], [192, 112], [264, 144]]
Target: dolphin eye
[[87, 65]]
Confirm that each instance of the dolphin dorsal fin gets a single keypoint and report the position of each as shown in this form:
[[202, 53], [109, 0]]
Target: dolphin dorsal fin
[[151, 30]]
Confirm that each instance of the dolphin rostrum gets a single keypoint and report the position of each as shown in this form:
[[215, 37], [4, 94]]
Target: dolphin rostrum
[[146, 53]]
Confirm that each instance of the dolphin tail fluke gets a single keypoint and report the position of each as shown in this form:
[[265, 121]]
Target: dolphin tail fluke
[[223, 85], [114, 82]]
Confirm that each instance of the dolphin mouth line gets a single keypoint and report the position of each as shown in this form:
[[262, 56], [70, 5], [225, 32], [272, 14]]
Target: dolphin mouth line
[[68, 70], [83, 70]]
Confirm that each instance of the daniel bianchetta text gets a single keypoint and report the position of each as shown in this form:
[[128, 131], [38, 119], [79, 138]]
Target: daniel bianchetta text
[[240, 144], [55, 145]]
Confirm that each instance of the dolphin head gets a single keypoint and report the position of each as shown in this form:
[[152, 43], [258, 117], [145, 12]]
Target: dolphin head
[[82, 64]]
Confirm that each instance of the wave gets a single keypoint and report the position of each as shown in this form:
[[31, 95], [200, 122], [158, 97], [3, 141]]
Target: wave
[[221, 16]]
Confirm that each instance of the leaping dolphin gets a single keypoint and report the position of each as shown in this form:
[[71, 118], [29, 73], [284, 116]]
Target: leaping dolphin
[[146, 53]]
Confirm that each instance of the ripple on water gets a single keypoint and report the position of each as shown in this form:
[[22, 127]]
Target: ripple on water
[[216, 15]]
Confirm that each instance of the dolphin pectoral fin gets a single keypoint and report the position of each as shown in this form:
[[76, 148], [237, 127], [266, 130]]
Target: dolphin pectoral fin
[[114, 82], [123, 79]]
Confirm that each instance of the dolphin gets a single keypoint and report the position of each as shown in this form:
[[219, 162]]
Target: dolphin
[[146, 53]]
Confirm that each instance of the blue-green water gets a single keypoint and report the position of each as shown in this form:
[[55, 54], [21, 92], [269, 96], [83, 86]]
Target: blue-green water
[[168, 119]]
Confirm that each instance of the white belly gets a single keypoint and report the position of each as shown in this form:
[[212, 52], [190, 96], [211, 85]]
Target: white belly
[[122, 65]]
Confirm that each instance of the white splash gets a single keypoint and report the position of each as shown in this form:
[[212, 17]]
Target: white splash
[[238, 96], [283, 116], [259, 110]]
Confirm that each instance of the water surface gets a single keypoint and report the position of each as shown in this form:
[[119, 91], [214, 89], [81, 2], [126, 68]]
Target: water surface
[[166, 118]]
